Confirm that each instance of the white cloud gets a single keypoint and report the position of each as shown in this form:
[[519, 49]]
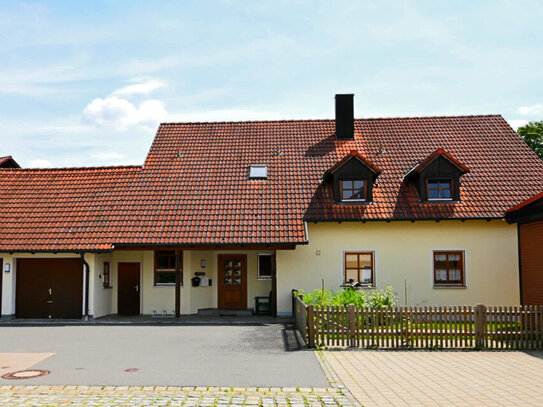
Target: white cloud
[[142, 88], [515, 124], [530, 110], [119, 113], [39, 163]]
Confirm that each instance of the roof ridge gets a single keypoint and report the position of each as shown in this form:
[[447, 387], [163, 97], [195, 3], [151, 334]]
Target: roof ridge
[[105, 167], [332, 120]]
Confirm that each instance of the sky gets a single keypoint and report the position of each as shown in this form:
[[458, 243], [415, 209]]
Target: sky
[[86, 83]]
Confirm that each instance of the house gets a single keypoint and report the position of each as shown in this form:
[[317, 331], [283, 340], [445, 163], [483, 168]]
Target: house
[[8, 162], [529, 217], [220, 213]]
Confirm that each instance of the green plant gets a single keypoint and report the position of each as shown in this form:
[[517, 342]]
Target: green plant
[[373, 298], [350, 296], [382, 298]]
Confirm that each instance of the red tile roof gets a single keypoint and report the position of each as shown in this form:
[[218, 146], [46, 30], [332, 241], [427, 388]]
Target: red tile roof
[[525, 203], [349, 156], [194, 187], [8, 162], [63, 209], [439, 152]]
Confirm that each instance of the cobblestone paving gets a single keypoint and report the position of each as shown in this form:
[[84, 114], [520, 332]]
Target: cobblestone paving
[[172, 396]]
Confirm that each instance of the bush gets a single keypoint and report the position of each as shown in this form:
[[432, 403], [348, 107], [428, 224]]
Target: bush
[[372, 297]]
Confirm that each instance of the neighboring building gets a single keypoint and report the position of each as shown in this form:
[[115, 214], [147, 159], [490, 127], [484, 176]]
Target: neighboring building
[[271, 206], [529, 216], [8, 162]]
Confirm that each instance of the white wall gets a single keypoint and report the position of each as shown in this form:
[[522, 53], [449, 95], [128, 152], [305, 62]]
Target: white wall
[[9, 279], [403, 252], [100, 298]]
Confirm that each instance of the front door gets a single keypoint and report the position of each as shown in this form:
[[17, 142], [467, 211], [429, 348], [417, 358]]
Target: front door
[[232, 275], [128, 298]]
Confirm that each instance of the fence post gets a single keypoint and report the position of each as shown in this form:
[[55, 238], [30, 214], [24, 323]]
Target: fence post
[[310, 326], [351, 327], [480, 326]]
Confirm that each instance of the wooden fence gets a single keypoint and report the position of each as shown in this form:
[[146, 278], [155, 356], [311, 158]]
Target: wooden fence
[[437, 327]]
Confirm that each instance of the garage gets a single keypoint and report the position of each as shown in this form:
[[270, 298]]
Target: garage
[[49, 288], [529, 216]]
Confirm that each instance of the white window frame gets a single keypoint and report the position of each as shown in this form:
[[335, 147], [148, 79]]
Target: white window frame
[[258, 167]]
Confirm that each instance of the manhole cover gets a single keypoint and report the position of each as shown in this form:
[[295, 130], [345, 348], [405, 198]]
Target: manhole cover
[[26, 374]]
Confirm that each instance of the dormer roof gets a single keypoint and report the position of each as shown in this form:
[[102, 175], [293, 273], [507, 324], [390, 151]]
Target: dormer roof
[[440, 152], [353, 155]]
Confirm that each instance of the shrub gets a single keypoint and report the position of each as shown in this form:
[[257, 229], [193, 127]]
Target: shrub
[[373, 298]]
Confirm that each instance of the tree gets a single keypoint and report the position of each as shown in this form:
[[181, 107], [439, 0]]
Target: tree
[[532, 134]]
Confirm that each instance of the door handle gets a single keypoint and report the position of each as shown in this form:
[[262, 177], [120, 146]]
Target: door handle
[[137, 288], [50, 291]]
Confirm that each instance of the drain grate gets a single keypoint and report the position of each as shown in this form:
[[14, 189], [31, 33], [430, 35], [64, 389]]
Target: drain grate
[[26, 374]]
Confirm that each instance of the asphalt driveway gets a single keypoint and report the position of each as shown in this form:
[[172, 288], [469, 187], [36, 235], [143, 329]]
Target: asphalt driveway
[[211, 355]]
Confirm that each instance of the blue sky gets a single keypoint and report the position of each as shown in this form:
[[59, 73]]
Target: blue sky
[[87, 82]]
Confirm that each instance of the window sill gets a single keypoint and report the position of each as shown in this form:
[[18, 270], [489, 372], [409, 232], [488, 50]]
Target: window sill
[[264, 279], [440, 201], [449, 286], [172, 285]]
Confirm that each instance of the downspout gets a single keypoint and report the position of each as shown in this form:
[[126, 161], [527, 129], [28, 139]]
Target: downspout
[[87, 273]]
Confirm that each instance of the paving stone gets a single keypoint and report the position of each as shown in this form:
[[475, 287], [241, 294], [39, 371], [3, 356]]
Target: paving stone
[[85, 396]]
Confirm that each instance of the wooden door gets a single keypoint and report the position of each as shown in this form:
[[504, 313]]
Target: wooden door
[[128, 297], [49, 288], [232, 284]]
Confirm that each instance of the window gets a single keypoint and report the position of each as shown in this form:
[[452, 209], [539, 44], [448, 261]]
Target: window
[[439, 189], [359, 267], [449, 268], [353, 190], [165, 267], [264, 266], [258, 171], [106, 275]]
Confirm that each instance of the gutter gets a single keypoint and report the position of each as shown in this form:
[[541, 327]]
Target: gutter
[[87, 273]]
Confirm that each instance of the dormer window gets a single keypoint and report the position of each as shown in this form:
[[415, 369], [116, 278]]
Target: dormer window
[[439, 189], [437, 178], [352, 179], [258, 171], [353, 190]]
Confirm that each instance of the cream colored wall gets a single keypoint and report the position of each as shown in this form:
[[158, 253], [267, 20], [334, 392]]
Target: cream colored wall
[[100, 298], [162, 298], [403, 252], [9, 279], [206, 297], [152, 298]]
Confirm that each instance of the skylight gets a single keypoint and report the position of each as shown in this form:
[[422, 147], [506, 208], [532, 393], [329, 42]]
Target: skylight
[[258, 171]]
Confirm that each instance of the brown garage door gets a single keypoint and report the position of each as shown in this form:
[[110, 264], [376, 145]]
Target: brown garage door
[[49, 288], [531, 262]]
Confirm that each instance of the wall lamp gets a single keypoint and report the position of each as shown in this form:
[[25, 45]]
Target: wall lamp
[[7, 267]]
